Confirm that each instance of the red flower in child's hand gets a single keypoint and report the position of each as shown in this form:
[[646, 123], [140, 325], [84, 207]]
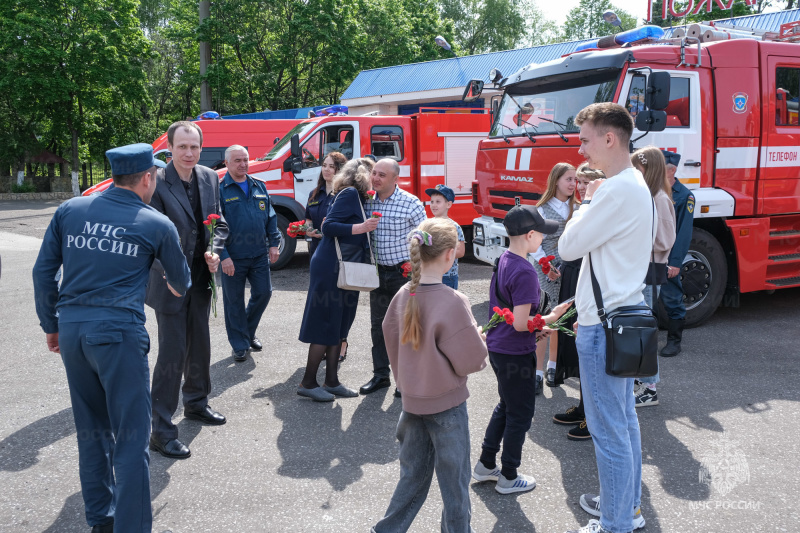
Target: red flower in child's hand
[[213, 216], [508, 316], [544, 262], [406, 269], [376, 214], [537, 323], [497, 310], [207, 222]]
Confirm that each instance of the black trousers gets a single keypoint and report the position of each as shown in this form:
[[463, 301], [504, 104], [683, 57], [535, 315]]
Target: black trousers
[[184, 351], [390, 282]]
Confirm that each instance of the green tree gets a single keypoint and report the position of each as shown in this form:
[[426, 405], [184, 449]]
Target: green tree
[[66, 65], [485, 25], [585, 21]]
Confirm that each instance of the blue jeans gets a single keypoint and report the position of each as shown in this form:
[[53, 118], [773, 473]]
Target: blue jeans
[[612, 421], [428, 443], [451, 281], [109, 384], [512, 417], [649, 300], [240, 322]]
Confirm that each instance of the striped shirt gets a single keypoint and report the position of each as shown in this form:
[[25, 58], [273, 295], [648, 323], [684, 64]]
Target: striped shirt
[[401, 212]]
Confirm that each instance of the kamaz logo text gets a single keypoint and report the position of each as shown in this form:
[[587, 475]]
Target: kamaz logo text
[[516, 178]]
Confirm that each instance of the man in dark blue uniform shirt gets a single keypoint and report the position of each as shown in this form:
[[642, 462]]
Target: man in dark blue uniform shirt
[[672, 290], [106, 244], [253, 243]]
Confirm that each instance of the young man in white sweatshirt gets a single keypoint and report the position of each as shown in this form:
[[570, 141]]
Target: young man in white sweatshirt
[[616, 227]]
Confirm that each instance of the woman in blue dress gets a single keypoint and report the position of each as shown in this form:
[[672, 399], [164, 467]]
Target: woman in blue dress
[[330, 311], [320, 199]]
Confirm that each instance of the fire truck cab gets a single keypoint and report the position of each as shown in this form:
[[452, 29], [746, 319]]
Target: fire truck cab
[[731, 114]]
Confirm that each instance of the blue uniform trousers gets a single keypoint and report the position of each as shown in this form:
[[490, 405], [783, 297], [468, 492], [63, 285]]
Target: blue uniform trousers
[[672, 298], [109, 384], [240, 322]]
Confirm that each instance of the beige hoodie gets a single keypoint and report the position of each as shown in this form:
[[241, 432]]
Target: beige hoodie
[[434, 378]]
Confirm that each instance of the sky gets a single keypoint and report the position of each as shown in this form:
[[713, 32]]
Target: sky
[[557, 10]]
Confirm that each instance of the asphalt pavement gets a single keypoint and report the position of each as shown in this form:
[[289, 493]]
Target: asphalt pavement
[[719, 452]]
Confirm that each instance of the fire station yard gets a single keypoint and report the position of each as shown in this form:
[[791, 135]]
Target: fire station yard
[[719, 450]]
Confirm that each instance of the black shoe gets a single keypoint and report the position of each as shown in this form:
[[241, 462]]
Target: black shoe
[[376, 383], [104, 528], [674, 336], [397, 394], [240, 356], [256, 345], [580, 432], [174, 449], [550, 377], [206, 415], [570, 418], [539, 381]]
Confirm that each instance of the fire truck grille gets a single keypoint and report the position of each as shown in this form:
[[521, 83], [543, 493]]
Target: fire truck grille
[[525, 197]]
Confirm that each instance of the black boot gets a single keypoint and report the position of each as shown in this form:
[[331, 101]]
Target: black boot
[[674, 335]]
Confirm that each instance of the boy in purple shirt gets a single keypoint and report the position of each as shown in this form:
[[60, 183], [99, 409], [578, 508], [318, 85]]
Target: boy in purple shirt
[[512, 351]]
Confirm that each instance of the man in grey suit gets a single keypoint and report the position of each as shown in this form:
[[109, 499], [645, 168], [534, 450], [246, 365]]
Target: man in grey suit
[[187, 193]]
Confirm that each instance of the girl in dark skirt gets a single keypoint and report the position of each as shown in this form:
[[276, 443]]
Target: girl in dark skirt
[[567, 359]]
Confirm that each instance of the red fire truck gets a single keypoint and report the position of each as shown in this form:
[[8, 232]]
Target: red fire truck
[[430, 147], [732, 115]]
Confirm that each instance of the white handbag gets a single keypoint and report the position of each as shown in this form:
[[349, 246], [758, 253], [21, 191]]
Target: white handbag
[[357, 276]]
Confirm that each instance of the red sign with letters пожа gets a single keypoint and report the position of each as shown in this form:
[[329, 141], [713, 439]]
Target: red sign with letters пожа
[[691, 7]]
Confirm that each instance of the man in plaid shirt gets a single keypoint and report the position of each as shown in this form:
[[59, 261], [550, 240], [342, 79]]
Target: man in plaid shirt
[[401, 212]]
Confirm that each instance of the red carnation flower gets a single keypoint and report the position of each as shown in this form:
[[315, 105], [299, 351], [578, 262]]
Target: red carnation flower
[[376, 214], [508, 316], [406, 269], [207, 222], [214, 216]]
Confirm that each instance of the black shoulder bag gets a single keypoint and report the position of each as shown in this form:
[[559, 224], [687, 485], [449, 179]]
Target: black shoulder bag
[[631, 335]]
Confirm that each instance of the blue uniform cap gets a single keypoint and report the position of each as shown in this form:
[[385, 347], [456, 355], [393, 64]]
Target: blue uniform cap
[[671, 158], [444, 190], [131, 159]]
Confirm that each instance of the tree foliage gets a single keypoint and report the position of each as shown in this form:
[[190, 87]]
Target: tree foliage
[[585, 21]]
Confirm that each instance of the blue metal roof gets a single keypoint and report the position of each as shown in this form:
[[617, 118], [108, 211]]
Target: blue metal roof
[[457, 71]]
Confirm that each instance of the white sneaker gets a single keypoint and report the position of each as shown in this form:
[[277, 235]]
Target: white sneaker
[[481, 473], [592, 527], [591, 504], [522, 483]]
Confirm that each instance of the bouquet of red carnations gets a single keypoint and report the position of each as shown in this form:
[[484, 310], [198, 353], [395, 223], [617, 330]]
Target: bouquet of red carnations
[[297, 229], [537, 323], [211, 224], [544, 262], [500, 315]]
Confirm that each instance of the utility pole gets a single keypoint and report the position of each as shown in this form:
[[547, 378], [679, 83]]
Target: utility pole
[[205, 59]]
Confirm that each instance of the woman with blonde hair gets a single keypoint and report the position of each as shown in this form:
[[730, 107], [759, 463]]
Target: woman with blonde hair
[[433, 343], [330, 311], [650, 162], [567, 360], [557, 203]]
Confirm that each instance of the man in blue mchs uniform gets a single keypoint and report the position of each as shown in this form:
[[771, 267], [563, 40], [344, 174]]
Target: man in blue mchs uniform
[[672, 290], [96, 322], [253, 243]]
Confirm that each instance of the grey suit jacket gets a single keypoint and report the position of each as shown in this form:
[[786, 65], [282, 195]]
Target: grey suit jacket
[[170, 198]]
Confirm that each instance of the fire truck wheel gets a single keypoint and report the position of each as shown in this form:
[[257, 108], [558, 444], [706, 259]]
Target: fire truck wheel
[[704, 275], [287, 244]]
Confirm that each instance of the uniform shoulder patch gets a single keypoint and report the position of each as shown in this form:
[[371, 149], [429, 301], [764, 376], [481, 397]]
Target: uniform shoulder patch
[[690, 204]]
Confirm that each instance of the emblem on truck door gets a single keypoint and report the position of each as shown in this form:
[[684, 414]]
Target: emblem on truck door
[[740, 103], [516, 178]]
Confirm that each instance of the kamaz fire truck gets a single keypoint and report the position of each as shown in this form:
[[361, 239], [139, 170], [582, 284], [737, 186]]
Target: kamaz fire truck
[[731, 114]]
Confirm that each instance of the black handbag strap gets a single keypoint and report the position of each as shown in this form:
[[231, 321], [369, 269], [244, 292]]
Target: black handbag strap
[[598, 296]]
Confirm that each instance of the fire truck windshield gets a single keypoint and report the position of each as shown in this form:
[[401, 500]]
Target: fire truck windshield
[[537, 104], [282, 145]]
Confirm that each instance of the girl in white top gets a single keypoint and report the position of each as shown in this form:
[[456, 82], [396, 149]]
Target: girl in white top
[[557, 203]]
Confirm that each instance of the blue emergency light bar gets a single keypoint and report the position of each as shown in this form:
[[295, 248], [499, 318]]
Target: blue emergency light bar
[[631, 36], [209, 115], [331, 110]]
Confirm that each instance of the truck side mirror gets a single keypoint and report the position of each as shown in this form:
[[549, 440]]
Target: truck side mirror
[[472, 91], [657, 96], [651, 120], [295, 146]]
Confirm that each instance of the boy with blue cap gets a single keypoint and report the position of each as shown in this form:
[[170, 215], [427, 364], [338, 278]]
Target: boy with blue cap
[[442, 198], [95, 320]]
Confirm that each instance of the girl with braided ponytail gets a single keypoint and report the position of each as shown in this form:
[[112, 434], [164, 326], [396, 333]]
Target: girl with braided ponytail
[[433, 343]]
